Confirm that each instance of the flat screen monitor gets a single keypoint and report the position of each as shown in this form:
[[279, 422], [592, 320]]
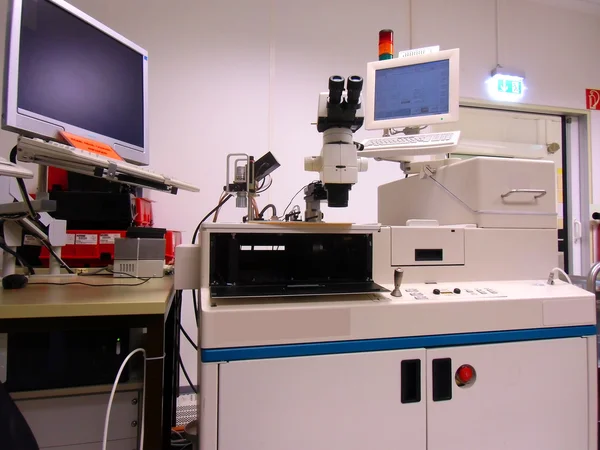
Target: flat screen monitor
[[65, 71], [412, 91]]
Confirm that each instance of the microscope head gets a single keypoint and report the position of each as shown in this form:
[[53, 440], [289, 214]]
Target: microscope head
[[337, 110], [340, 115]]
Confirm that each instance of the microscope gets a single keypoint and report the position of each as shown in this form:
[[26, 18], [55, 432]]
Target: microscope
[[340, 115]]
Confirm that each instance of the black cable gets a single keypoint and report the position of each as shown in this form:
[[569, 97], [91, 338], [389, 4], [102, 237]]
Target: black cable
[[260, 189], [94, 285], [221, 203], [16, 255], [55, 256], [270, 205], [195, 301], [292, 199], [185, 374], [187, 336]]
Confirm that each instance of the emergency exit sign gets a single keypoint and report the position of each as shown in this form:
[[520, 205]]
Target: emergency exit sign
[[509, 85]]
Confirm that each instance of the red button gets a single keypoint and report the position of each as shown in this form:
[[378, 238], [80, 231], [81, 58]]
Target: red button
[[465, 373]]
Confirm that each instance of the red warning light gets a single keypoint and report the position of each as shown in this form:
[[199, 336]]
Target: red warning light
[[386, 44]]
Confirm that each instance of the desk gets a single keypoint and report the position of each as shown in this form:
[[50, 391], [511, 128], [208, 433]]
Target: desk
[[47, 307]]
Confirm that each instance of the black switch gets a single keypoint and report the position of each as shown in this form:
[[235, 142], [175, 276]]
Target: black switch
[[436, 292], [456, 290]]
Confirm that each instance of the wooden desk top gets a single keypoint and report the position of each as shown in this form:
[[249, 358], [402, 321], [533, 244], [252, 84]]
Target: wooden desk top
[[46, 301]]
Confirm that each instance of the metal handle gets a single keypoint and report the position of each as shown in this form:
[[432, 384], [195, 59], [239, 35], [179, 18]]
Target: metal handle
[[577, 234], [592, 276], [539, 192], [398, 274]]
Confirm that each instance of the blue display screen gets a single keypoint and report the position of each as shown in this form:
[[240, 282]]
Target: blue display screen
[[412, 91]]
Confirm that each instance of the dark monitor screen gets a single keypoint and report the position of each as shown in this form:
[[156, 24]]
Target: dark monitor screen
[[412, 91], [74, 73]]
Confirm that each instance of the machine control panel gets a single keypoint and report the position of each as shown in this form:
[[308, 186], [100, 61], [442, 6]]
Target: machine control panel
[[426, 294]]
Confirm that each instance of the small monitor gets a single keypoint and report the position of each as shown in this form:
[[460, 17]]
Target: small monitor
[[412, 91], [65, 71]]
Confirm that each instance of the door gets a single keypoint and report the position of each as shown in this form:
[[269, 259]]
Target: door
[[522, 396], [352, 401]]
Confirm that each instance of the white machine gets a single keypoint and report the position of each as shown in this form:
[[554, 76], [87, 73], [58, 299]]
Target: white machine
[[448, 365], [437, 329]]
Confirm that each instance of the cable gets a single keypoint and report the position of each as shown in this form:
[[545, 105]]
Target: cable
[[221, 203], [216, 216], [292, 199], [270, 205], [559, 270], [187, 377], [187, 336], [260, 189], [145, 280], [112, 396], [55, 256], [254, 207], [195, 302], [18, 258]]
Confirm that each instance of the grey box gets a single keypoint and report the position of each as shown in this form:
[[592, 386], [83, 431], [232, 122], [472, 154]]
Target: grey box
[[140, 249]]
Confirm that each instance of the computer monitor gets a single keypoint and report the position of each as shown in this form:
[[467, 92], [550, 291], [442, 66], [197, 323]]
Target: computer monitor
[[412, 91], [66, 71]]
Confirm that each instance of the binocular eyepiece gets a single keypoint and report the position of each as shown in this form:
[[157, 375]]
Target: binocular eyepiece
[[354, 86], [336, 89]]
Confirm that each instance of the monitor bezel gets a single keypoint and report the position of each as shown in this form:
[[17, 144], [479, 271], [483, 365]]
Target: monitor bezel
[[452, 116], [36, 125]]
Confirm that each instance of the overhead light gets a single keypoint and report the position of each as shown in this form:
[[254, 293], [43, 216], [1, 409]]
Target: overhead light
[[506, 84]]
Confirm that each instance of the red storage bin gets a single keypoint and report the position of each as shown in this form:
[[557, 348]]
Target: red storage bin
[[87, 248], [143, 212], [173, 239]]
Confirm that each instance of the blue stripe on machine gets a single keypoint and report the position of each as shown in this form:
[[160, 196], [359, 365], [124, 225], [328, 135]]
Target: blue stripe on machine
[[398, 343]]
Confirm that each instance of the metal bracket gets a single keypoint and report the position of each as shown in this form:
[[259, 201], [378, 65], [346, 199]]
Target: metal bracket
[[112, 170]]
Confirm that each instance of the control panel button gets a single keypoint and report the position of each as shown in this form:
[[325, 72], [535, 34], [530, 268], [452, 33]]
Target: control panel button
[[456, 290], [436, 292]]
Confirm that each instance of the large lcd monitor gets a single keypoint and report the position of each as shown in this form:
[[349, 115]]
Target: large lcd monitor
[[65, 71], [412, 91]]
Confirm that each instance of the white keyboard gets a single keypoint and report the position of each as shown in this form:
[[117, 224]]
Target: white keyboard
[[9, 169], [76, 160], [398, 147]]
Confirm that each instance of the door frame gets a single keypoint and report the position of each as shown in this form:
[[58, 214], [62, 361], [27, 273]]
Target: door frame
[[583, 132]]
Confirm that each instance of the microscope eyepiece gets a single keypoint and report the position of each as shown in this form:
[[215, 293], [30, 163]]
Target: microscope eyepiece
[[336, 88], [354, 86]]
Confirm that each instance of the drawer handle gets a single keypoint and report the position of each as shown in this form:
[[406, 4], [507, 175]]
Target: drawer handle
[[537, 192]]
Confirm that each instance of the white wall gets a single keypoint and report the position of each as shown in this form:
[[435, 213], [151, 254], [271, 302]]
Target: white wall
[[237, 75]]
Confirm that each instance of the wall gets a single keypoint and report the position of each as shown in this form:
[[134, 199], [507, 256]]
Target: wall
[[239, 76]]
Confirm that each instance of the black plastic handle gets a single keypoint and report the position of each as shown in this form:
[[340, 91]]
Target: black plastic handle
[[410, 381], [442, 379]]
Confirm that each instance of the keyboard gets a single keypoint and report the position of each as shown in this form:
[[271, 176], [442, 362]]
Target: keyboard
[[73, 159], [398, 147], [9, 169]]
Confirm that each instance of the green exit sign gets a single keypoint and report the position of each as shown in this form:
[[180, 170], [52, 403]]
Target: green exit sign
[[509, 85]]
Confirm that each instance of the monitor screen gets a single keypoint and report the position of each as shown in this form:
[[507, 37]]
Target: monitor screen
[[412, 91], [77, 74]]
